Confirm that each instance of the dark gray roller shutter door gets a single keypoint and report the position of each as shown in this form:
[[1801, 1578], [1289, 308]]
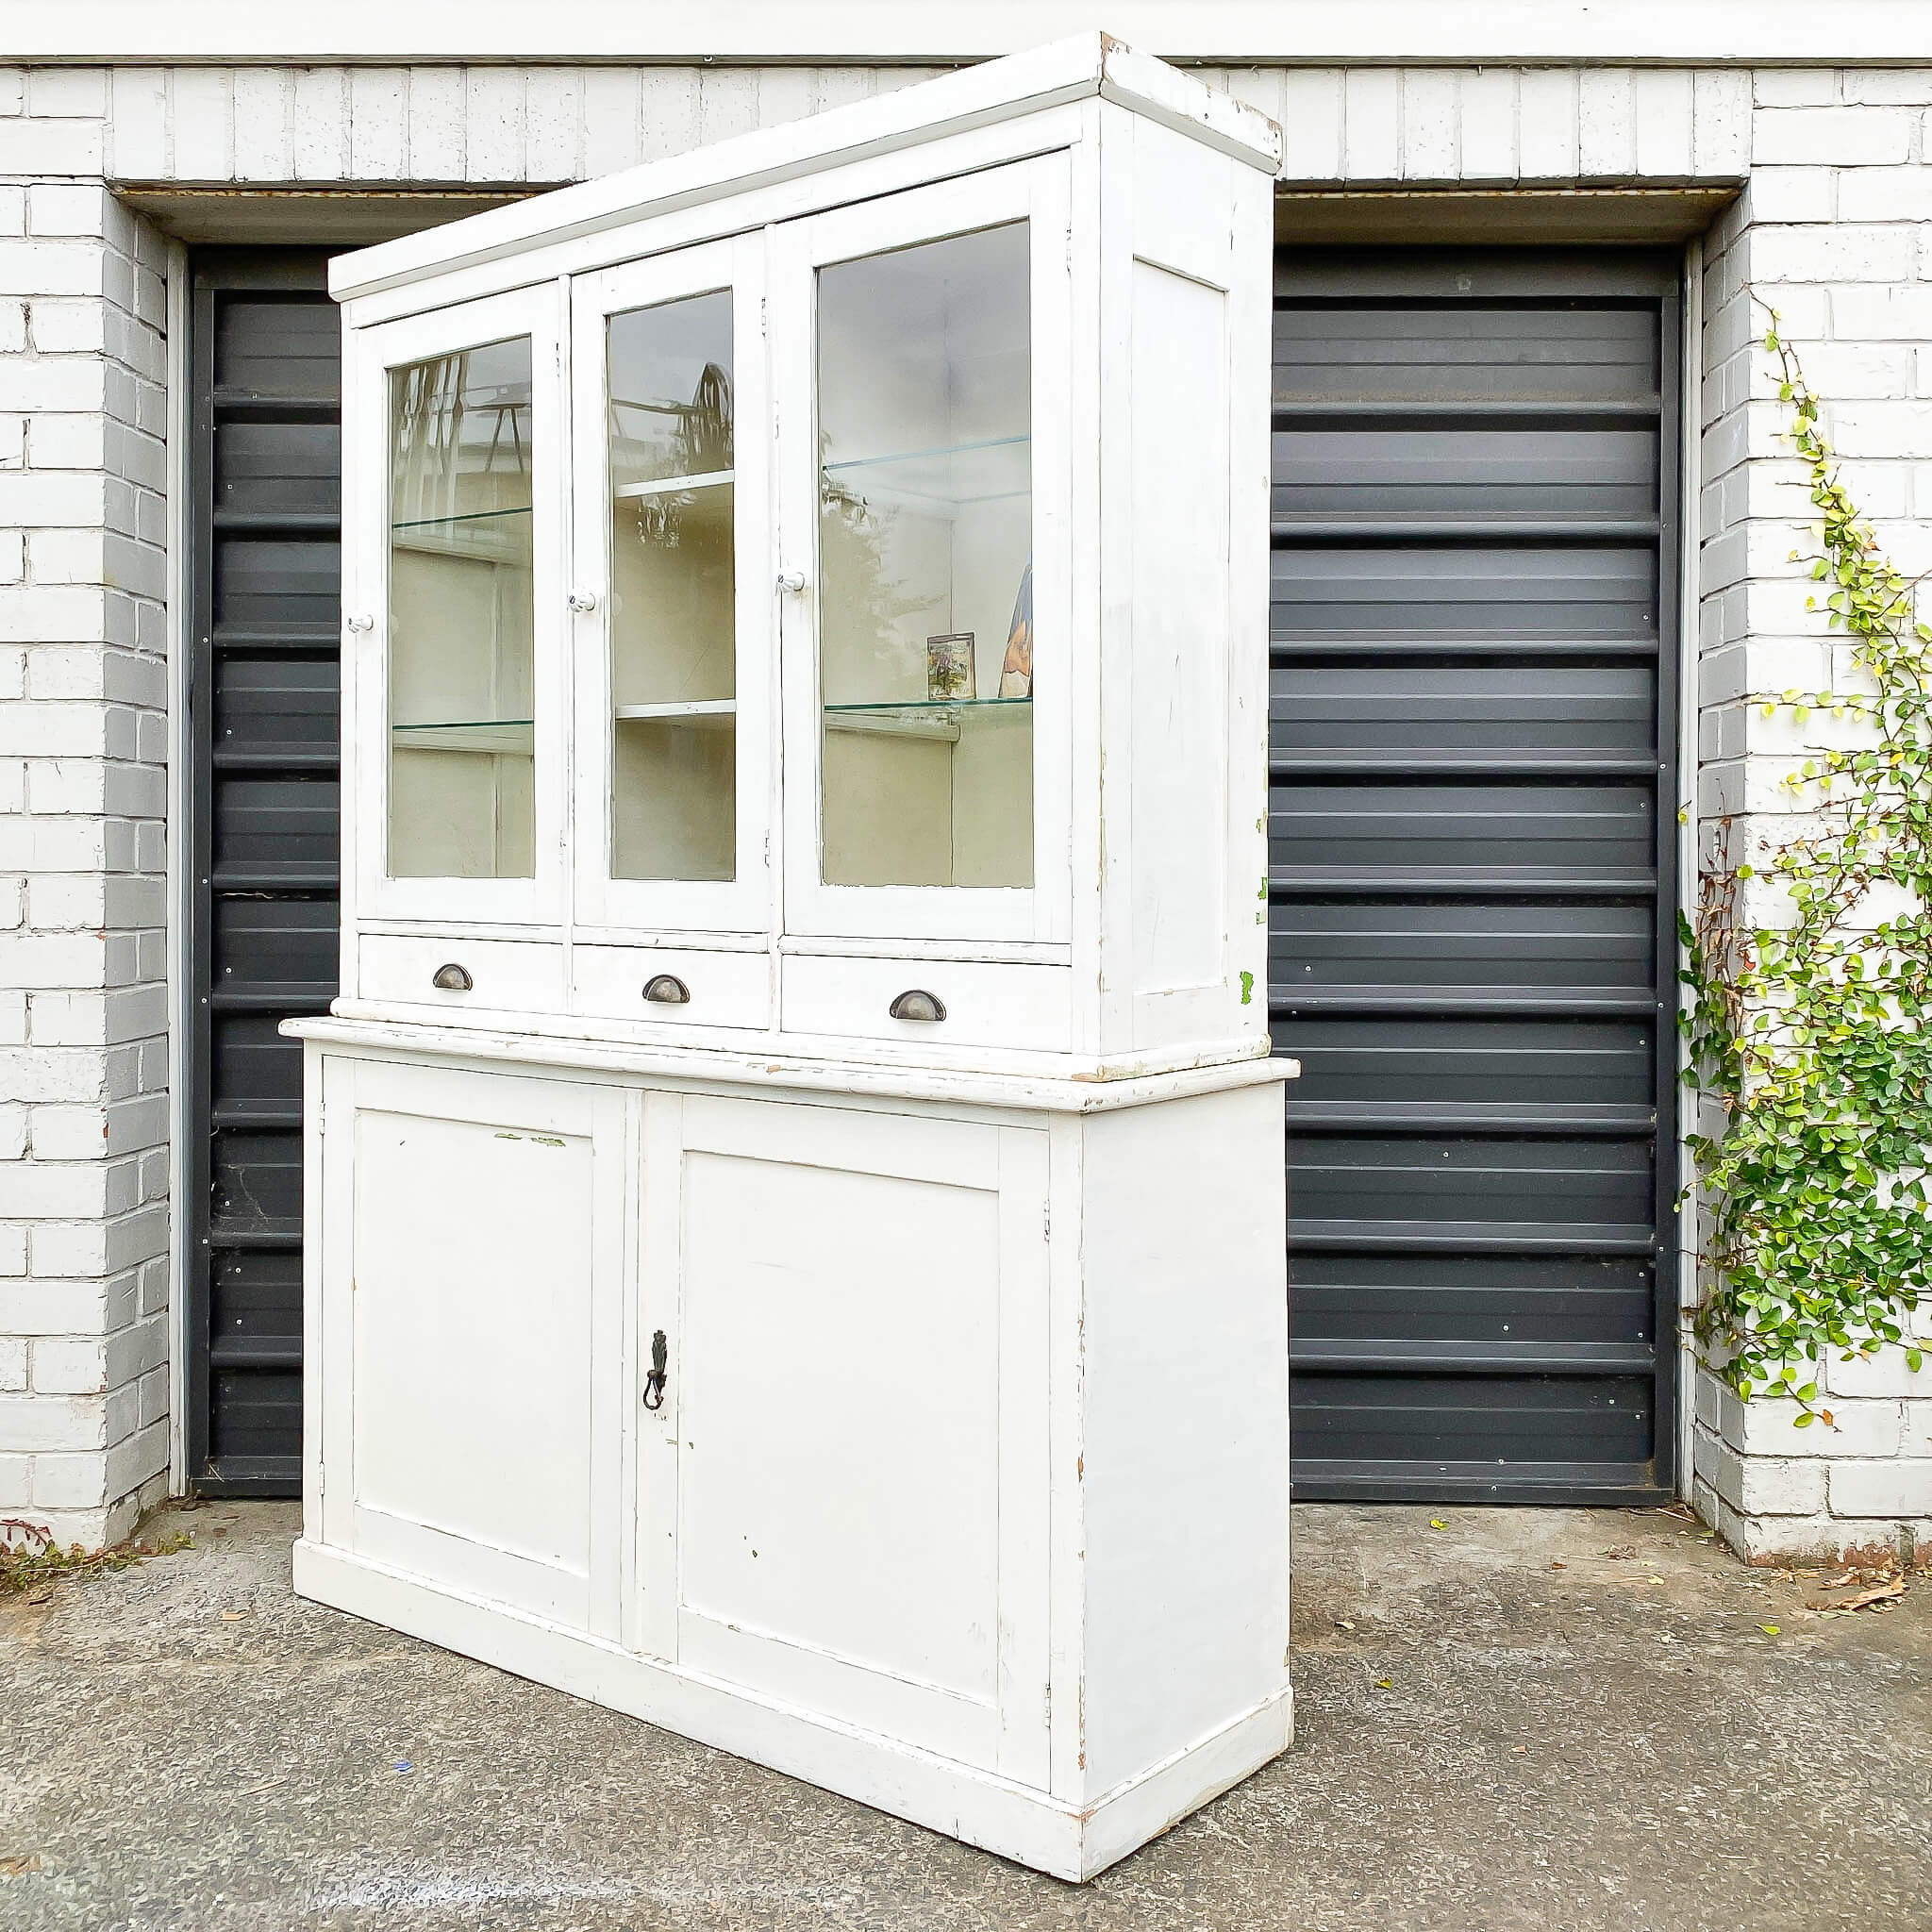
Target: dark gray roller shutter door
[[266, 463], [1471, 836]]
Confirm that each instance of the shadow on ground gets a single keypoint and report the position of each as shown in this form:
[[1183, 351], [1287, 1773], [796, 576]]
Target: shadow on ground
[[1502, 1724]]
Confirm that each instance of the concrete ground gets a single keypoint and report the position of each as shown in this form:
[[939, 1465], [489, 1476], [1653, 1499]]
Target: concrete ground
[[1526, 1717]]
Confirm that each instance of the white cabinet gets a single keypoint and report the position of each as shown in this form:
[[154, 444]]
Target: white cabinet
[[795, 1223]]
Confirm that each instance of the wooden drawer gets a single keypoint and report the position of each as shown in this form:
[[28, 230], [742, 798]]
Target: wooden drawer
[[725, 989], [986, 1004], [507, 975]]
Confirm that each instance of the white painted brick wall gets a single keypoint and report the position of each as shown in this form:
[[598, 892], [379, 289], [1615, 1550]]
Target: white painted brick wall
[[83, 1120], [1832, 231], [1833, 228]]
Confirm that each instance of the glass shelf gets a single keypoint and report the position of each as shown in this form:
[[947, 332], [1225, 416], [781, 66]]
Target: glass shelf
[[715, 712], [944, 478], [930, 705], [467, 516], [937, 718], [479, 737], [665, 486]]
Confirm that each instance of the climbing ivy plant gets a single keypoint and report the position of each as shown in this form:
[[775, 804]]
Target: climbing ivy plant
[[1809, 981]]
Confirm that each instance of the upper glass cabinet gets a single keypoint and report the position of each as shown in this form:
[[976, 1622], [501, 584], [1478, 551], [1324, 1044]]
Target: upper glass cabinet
[[933, 380], [458, 595], [925, 565], [672, 540], [462, 616]]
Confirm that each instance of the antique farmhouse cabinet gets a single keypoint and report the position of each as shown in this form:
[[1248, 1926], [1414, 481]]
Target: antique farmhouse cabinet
[[794, 1175]]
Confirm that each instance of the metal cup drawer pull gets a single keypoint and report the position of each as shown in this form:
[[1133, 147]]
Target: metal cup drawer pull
[[916, 1004], [667, 990], [452, 979]]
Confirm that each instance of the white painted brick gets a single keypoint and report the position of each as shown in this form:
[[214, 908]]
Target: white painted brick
[[671, 113], [12, 1365], [65, 1367], [36, 268], [68, 208], [610, 120], [264, 124], [1663, 113], [55, 442], [1832, 136], [12, 210], [1884, 1376], [553, 120], [12, 90], [56, 91], [727, 101], [1793, 195], [1770, 1486], [1885, 194], [1892, 1487], [1487, 116], [50, 147], [76, 327], [1546, 109], [1838, 253], [32, 1422], [16, 1490], [435, 124], [1794, 87], [378, 124], [322, 123], [1605, 123], [1765, 1427], [1430, 151], [1884, 315], [135, 1459], [493, 107], [1906, 87], [1311, 123], [789, 93], [36, 960], [1372, 124], [56, 1307], [70, 1482], [202, 118]]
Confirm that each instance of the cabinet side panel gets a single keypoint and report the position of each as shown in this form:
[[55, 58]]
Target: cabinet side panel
[[1184, 1479], [1178, 559]]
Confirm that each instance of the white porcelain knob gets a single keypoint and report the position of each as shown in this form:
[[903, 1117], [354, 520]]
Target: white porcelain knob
[[583, 600], [362, 621], [792, 581]]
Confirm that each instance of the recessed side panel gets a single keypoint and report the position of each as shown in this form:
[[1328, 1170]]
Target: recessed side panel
[[1185, 1390]]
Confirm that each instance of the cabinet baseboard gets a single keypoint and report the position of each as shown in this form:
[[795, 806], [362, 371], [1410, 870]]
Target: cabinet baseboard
[[1049, 1834]]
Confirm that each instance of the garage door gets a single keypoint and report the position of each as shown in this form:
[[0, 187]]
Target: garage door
[[1470, 845], [265, 495]]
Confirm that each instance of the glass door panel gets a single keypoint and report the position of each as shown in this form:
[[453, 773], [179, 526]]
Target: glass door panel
[[673, 628], [462, 616], [926, 564]]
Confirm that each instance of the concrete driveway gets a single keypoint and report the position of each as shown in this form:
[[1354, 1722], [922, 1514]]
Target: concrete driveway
[[1526, 1718]]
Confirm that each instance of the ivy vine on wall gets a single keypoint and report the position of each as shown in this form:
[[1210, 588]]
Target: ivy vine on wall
[[1809, 986]]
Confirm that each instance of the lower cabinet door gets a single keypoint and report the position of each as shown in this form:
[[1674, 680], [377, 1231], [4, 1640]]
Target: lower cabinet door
[[850, 1469], [474, 1260]]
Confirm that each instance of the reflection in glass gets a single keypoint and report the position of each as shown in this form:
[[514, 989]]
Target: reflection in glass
[[462, 617], [925, 592], [673, 660]]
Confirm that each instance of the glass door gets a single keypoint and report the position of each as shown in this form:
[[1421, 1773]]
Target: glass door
[[454, 613], [673, 593], [924, 560]]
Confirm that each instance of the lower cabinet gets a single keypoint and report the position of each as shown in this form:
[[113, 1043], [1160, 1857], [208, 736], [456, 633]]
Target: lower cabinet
[[932, 1448]]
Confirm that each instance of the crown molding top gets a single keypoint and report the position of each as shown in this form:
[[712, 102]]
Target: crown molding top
[[942, 32]]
